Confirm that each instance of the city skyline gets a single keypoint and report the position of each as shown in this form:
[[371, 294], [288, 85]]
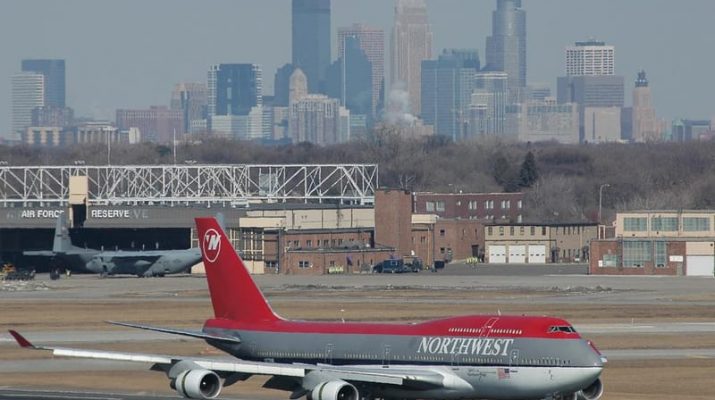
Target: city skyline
[[129, 74]]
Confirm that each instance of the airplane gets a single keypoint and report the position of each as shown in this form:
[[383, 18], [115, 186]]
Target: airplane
[[140, 263], [470, 357]]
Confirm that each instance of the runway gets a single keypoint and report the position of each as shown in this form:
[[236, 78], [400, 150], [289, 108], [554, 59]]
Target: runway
[[16, 394]]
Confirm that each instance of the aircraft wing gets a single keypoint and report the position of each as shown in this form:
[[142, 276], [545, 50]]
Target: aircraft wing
[[39, 253], [418, 379], [190, 333]]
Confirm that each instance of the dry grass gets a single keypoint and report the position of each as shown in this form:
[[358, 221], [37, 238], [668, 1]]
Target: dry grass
[[633, 380]]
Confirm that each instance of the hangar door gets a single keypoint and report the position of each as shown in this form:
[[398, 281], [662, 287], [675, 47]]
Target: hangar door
[[517, 254], [700, 266], [497, 254], [537, 254]]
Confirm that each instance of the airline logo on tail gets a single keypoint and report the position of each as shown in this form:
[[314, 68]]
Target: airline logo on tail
[[211, 245]]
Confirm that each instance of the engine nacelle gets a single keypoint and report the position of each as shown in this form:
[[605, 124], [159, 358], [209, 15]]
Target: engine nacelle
[[197, 384], [593, 392], [334, 390]]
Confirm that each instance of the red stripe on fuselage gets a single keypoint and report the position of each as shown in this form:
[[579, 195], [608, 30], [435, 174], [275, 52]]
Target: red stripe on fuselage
[[469, 326]]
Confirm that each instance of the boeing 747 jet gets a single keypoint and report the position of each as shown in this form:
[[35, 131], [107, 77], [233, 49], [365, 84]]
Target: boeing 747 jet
[[468, 357]]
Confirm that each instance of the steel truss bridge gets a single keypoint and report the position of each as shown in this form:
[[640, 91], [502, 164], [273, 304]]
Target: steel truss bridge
[[235, 185]]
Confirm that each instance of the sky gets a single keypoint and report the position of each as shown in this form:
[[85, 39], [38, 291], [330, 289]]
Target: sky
[[130, 53]]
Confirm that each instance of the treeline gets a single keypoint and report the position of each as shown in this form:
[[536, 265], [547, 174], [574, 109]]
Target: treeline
[[561, 182]]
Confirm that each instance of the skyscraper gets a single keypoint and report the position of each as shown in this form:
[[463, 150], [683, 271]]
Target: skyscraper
[[54, 73], [411, 44], [234, 89], [28, 93], [488, 105], [350, 79], [372, 42], [311, 40], [281, 85], [315, 118], [506, 47], [191, 98], [591, 57], [298, 87], [645, 124], [590, 82], [235, 100], [447, 86]]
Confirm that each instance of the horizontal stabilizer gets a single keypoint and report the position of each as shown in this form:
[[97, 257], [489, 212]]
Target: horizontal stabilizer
[[182, 332]]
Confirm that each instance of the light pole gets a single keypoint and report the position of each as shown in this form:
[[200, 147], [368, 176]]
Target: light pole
[[600, 200]]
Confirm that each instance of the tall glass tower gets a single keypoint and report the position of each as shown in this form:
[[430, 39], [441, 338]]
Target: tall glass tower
[[54, 73], [506, 47], [311, 40]]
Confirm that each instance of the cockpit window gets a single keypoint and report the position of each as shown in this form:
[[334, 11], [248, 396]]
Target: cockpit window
[[564, 329]]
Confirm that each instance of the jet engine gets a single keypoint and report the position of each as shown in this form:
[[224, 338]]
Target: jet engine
[[197, 384], [334, 390], [593, 392]]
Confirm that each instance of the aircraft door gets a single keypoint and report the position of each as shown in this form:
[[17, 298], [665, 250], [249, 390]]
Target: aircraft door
[[329, 353], [514, 357], [386, 355]]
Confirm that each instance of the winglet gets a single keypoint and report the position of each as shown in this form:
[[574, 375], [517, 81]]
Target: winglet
[[24, 343]]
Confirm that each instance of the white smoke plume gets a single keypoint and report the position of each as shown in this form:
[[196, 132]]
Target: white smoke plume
[[398, 107]]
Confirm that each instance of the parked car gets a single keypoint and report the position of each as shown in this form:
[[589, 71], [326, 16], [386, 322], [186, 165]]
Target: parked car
[[398, 266], [389, 267]]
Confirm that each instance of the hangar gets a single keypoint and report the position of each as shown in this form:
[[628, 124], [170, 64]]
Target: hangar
[[270, 210]]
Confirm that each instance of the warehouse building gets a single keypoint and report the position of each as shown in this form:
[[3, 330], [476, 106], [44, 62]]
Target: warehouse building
[[677, 243], [509, 243]]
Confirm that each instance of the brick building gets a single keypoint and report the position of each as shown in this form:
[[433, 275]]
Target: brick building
[[450, 231], [480, 206], [658, 243], [538, 243], [156, 124]]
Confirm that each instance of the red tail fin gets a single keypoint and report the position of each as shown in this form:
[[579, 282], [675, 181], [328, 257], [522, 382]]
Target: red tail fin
[[234, 295]]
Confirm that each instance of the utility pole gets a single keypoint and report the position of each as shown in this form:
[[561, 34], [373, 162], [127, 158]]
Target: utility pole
[[600, 202]]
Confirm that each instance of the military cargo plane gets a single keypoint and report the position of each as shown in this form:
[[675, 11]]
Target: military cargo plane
[[469, 357], [140, 263]]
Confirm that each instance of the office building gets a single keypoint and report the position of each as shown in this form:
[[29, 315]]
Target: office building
[[591, 58], [234, 89], [411, 44], [544, 121], [298, 87], [311, 40], [372, 43], [447, 86], [192, 99], [28, 93], [487, 110], [350, 78], [240, 127], [590, 82], [684, 130], [506, 47], [157, 124], [281, 85], [45, 136], [54, 73], [538, 92], [317, 119], [601, 124], [645, 126], [52, 116]]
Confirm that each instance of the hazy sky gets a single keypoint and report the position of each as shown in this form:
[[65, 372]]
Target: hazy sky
[[130, 53]]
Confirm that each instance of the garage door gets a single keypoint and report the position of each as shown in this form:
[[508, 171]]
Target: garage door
[[537, 254], [700, 266], [517, 255], [497, 254]]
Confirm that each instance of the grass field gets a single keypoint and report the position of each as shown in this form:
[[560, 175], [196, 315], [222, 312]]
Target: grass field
[[685, 379]]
